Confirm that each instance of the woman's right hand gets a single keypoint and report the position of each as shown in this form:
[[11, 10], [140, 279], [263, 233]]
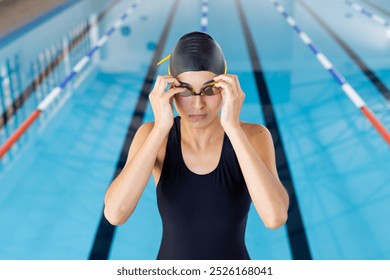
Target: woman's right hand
[[161, 101]]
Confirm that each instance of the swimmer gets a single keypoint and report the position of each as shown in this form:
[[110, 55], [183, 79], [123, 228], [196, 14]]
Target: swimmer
[[208, 166]]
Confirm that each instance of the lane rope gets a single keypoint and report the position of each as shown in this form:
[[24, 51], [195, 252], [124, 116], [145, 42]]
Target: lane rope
[[345, 86], [371, 15], [204, 21], [54, 93]]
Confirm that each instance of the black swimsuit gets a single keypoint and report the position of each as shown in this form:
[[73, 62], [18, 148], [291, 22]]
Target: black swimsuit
[[203, 216]]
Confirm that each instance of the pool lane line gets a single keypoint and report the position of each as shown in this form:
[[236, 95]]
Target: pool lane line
[[41, 77], [204, 21], [295, 228], [377, 7], [375, 80], [105, 232], [345, 86], [54, 93], [371, 15]]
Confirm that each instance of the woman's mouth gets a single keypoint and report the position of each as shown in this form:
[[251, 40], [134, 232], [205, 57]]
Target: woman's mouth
[[197, 117]]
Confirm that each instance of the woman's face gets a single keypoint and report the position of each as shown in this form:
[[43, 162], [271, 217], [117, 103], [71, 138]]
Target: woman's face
[[199, 111]]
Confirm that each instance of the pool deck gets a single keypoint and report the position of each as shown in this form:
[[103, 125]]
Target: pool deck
[[16, 13]]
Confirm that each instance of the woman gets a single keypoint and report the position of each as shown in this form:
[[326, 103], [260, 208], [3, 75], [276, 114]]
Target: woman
[[208, 166]]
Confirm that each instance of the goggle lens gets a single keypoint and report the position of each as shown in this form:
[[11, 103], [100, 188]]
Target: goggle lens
[[186, 92], [209, 90]]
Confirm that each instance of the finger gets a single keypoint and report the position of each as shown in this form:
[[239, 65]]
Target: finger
[[169, 81], [218, 78], [223, 78], [232, 80], [159, 85], [163, 81], [236, 82], [171, 92], [225, 86]]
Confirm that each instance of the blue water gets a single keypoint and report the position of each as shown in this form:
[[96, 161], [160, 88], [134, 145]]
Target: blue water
[[52, 186]]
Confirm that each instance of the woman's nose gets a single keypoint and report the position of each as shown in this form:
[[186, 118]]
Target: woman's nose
[[197, 102]]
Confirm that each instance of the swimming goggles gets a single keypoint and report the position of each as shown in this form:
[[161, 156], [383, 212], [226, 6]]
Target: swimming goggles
[[208, 89]]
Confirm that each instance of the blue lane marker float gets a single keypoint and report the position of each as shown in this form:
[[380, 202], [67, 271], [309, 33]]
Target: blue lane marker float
[[371, 15], [204, 21], [57, 90], [345, 86]]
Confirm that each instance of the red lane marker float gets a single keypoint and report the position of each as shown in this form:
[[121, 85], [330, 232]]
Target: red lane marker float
[[17, 133], [377, 124], [57, 90], [345, 86]]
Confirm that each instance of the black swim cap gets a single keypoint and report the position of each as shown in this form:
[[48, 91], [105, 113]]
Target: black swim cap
[[197, 51]]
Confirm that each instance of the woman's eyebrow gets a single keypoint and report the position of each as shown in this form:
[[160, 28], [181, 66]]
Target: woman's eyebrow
[[209, 82], [185, 84], [189, 85]]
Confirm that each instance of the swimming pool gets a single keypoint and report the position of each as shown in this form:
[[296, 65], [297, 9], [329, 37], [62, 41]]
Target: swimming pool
[[333, 161]]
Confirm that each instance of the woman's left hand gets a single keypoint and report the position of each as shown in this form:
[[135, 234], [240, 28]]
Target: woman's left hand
[[232, 100]]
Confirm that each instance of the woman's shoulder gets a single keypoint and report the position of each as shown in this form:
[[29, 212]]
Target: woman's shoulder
[[253, 129], [145, 128], [260, 138], [142, 133]]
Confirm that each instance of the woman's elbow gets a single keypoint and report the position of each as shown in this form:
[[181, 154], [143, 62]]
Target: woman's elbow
[[113, 218], [276, 222]]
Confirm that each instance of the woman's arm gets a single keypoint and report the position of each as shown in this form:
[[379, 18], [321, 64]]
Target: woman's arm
[[256, 156], [123, 194], [125, 191]]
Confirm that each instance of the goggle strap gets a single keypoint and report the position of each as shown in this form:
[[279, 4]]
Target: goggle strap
[[164, 59]]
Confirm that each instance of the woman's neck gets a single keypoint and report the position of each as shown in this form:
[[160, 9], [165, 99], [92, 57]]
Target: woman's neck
[[201, 138]]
